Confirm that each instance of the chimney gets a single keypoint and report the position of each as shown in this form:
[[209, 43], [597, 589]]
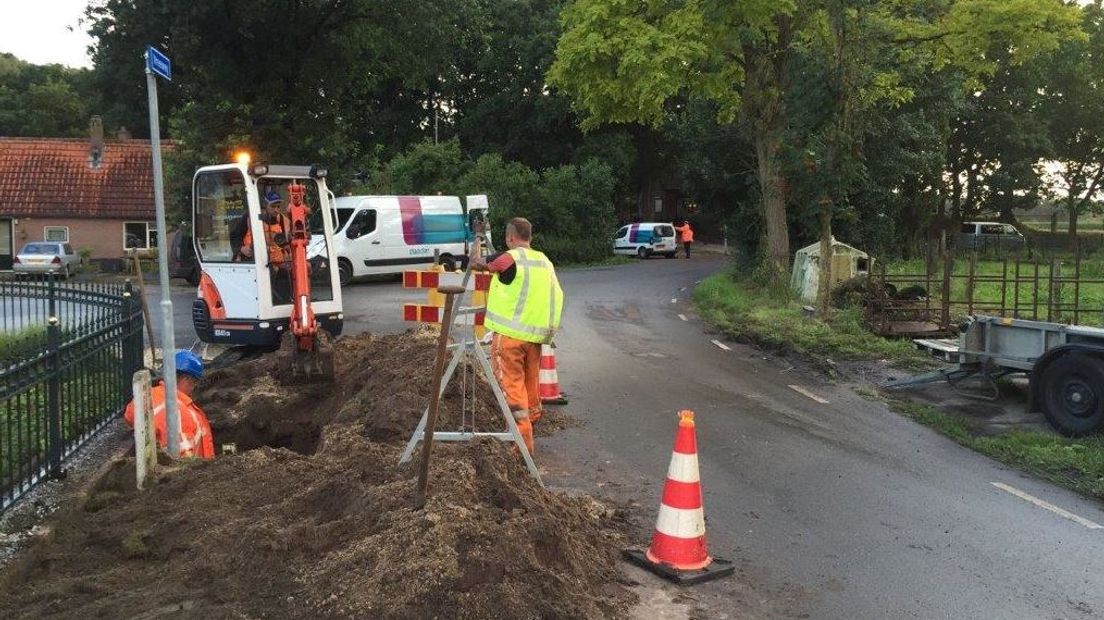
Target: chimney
[[123, 133], [96, 145]]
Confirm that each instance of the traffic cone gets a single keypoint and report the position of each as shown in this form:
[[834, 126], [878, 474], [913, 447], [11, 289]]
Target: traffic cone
[[678, 551], [549, 380]]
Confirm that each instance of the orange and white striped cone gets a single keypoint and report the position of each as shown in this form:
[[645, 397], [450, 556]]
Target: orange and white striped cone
[[678, 551], [549, 379]]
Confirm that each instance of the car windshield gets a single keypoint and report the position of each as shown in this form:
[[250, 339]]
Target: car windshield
[[40, 248]]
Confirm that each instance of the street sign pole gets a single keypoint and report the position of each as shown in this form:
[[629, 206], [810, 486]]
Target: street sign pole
[[155, 61]]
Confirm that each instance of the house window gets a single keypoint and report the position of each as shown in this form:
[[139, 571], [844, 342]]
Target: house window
[[657, 202], [139, 235], [59, 234]]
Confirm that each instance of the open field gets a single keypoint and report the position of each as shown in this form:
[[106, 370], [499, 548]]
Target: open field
[[996, 284]]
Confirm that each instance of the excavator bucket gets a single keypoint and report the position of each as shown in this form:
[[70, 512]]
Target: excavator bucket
[[315, 366]]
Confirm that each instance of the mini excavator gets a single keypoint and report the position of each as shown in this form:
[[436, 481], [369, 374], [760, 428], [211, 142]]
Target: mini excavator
[[266, 282]]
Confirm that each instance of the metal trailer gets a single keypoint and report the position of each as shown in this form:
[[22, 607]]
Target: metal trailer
[[1064, 364]]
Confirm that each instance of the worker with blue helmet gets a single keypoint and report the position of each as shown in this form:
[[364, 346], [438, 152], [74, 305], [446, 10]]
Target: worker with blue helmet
[[189, 364], [196, 438]]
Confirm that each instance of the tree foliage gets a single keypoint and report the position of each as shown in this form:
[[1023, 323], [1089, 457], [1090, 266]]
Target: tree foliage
[[625, 61], [44, 100]]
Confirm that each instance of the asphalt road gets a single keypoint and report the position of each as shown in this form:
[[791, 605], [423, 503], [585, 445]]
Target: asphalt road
[[836, 510], [374, 306], [830, 510]]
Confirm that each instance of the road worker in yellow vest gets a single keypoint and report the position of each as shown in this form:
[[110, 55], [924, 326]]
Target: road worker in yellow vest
[[524, 305]]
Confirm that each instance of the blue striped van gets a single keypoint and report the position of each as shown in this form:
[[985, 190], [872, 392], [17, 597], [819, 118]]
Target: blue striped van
[[645, 239]]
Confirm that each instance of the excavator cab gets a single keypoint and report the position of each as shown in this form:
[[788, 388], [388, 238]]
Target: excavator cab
[[264, 282]]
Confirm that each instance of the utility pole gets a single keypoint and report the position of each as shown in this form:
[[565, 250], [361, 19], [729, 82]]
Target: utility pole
[[157, 63]]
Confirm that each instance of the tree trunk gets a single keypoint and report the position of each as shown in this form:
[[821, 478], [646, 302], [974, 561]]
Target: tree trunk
[[774, 205], [1072, 208], [824, 283]]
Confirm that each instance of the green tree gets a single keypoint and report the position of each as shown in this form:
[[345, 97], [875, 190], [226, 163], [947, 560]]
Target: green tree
[[626, 61], [44, 100], [1073, 98]]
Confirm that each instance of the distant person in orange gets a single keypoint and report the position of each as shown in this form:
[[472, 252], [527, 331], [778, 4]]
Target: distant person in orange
[[686, 236], [196, 439]]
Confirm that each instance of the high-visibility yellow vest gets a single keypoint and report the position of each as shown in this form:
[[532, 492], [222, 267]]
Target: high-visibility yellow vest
[[529, 307]]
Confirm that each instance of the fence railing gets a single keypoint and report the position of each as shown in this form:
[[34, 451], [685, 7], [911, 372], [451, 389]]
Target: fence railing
[[933, 297], [67, 353]]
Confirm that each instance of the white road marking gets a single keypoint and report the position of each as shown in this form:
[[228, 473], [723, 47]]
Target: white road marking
[[804, 392], [1048, 506], [721, 345], [683, 317], [674, 301]]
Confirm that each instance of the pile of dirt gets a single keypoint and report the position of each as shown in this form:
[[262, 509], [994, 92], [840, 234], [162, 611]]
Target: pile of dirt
[[322, 526], [382, 382]]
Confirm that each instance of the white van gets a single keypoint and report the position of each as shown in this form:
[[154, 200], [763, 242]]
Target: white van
[[389, 234], [646, 238]]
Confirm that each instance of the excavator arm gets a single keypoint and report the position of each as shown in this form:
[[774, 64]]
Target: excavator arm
[[306, 344]]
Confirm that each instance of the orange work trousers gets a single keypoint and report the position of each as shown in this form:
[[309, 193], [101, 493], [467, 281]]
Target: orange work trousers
[[516, 366]]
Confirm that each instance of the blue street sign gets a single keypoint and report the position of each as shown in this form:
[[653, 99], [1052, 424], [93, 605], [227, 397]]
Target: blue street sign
[[158, 63]]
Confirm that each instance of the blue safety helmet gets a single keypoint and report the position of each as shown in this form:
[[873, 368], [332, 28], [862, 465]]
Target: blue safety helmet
[[272, 196], [189, 364]]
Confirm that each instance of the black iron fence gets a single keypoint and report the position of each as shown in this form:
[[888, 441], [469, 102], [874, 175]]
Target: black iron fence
[[67, 352]]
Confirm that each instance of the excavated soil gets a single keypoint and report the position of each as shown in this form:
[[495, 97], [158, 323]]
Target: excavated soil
[[312, 518]]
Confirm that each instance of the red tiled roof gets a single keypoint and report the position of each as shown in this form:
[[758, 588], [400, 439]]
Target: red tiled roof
[[53, 177]]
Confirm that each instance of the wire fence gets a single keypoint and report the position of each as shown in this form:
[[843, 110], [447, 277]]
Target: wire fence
[[921, 298], [67, 352]]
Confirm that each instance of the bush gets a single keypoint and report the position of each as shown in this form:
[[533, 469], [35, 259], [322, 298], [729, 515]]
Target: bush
[[571, 207]]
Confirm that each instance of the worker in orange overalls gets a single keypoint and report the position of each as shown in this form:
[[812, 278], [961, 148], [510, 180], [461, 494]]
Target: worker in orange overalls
[[276, 228], [686, 236], [524, 305], [196, 439]]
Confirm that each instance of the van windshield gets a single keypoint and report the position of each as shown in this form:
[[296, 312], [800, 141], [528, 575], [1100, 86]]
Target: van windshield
[[340, 216]]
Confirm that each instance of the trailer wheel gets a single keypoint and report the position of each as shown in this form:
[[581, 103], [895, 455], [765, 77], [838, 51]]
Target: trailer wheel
[[1073, 394]]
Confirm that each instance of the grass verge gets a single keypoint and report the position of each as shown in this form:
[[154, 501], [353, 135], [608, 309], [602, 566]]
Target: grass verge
[[749, 313], [1077, 464]]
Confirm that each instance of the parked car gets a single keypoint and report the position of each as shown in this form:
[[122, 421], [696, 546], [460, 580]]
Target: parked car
[[46, 257], [182, 258], [646, 238], [990, 235]]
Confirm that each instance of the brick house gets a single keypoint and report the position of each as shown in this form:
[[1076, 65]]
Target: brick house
[[95, 194]]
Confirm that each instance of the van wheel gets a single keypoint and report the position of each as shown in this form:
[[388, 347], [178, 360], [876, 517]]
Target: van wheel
[[670, 255], [643, 252], [1073, 394], [344, 271]]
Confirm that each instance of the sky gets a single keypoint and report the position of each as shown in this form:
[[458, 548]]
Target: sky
[[37, 31]]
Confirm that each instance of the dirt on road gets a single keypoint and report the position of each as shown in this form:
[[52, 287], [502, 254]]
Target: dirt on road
[[312, 517]]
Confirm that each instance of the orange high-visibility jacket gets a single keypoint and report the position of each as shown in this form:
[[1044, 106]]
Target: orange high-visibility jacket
[[277, 257], [686, 234], [196, 439]]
